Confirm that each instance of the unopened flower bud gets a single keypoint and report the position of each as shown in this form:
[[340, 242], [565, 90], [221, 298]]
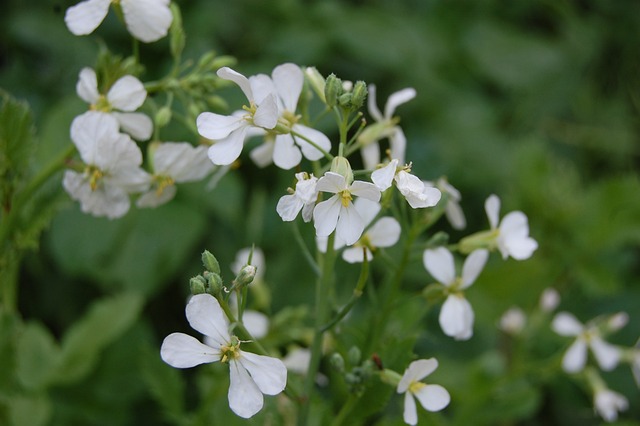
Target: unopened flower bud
[[341, 166], [214, 282], [359, 94], [163, 116], [210, 262], [332, 90], [354, 355], [390, 377], [198, 285], [344, 100], [337, 362], [246, 276]]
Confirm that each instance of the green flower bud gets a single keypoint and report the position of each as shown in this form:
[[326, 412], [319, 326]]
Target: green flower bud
[[344, 100], [245, 276], [210, 262], [354, 355], [337, 362], [317, 82], [341, 166], [358, 94], [390, 377], [198, 285], [332, 90], [205, 60], [214, 283], [479, 240], [163, 116]]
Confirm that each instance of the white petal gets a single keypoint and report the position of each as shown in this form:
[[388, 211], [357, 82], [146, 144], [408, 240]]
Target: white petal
[[131, 179], [269, 374], [455, 215], [245, 399], [383, 177], [297, 361], [385, 232], [367, 209], [370, 155], [410, 413], [397, 144], [350, 225], [365, 190], [89, 128], [107, 200], [356, 254], [605, 353], [286, 154], [288, 79], [514, 236], [371, 103], [87, 86], [492, 208], [227, 73], [256, 323], [433, 397], [147, 20], [288, 207], [416, 371], [309, 151], [325, 215], [127, 94], [575, 358], [117, 153], [151, 199], [227, 150], [215, 126], [262, 155], [607, 403], [565, 324], [456, 317], [137, 124], [472, 267], [261, 87], [306, 188], [266, 115], [182, 161], [440, 264], [331, 182], [180, 350], [398, 98], [206, 316], [85, 16]]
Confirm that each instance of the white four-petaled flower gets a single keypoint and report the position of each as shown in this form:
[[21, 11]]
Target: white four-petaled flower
[[338, 213], [303, 198], [251, 375], [417, 193], [146, 20], [431, 397], [456, 316], [512, 232], [112, 168]]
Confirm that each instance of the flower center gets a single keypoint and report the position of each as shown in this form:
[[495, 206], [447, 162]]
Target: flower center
[[163, 182], [230, 351], [414, 387], [102, 104], [345, 197], [95, 175]]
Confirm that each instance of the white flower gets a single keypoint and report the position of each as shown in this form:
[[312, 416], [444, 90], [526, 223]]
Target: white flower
[[385, 126], [431, 397], [338, 213], [230, 131], [513, 321], [303, 198], [146, 20], [452, 209], [251, 375], [112, 169], [127, 94], [286, 151], [512, 233], [575, 358], [456, 316], [174, 162], [608, 403], [417, 193], [549, 299]]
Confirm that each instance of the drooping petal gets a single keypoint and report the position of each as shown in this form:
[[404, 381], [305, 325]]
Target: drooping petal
[[215, 126], [227, 150], [87, 85], [605, 353], [365, 190], [397, 144], [456, 317], [575, 358], [433, 397], [286, 154], [89, 128], [137, 124], [385, 232], [472, 267], [455, 215], [309, 151], [383, 177], [245, 399], [206, 316], [84, 17], [492, 208], [331, 182], [180, 350], [256, 323], [565, 324], [288, 79], [350, 225], [266, 115], [398, 98], [410, 413], [227, 73], [440, 264], [127, 94], [367, 209], [268, 373], [288, 207], [416, 371], [325, 215], [262, 155], [356, 254], [371, 103], [147, 20], [370, 155]]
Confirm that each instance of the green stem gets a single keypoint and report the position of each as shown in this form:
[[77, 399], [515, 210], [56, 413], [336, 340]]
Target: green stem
[[305, 250], [324, 286], [345, 410]]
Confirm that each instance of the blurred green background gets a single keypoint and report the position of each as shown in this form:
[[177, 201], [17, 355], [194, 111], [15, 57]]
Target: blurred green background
[[536, 101]]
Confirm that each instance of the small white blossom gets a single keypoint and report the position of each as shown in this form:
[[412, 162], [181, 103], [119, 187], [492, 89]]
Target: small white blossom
[[112, 169], [303, 198], [549, 300], [608, 403], [251, 375], [230, 131], [512, 232], [174, 162], [513, 321], [431, 397], [385, 126], [587, 336], [452, 209], [456, 316], [417, 193], [338, 213], [146, 20]]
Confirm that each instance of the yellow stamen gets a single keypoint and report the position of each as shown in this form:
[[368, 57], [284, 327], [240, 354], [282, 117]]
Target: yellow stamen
[[230, 352], [416, 386], [163, 182], [345, 197], [95, 175]]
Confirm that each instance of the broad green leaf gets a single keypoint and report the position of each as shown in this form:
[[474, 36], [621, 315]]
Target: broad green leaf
[[37, 356], [30, 410]]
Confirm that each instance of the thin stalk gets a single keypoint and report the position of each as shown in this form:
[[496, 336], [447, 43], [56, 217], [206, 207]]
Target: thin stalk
[[345, 410]]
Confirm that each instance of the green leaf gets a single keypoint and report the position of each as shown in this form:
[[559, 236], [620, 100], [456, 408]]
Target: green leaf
[[165, 383], [105, 322], [30, 410], [37, 356]]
